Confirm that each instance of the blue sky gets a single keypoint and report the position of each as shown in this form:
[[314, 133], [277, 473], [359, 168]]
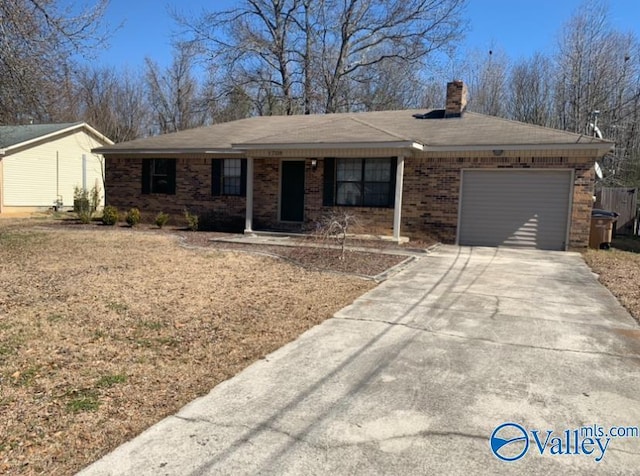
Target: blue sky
[[517, 27]]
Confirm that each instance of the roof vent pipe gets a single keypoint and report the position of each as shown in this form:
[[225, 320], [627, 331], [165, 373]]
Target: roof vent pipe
[[593, 129]]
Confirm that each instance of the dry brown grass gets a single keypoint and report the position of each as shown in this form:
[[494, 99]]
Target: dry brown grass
[[620, 272], [105, 331]]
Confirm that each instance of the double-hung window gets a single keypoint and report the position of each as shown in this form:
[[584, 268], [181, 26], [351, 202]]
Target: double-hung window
[[159, 176], [228, 177], [364, 182]]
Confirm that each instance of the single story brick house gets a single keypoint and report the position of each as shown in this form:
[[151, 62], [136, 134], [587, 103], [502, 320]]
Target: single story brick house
[[455, 176]]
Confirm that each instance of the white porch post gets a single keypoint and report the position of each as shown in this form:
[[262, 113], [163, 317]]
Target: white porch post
[[397, 208], [248, 221]]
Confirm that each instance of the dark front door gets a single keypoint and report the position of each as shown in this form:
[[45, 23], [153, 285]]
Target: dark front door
[[292, 191]]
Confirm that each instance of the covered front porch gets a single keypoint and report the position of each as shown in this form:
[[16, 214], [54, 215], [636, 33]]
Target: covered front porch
[[291, 194]]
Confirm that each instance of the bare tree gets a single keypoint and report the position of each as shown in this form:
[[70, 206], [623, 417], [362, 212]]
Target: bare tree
[[357, 34], [308, 56], [38, 38], [488, 84], [583, 58], [387, 85], [173, 93], [257, 41], [598, 79], [113, 102], [530, 91]]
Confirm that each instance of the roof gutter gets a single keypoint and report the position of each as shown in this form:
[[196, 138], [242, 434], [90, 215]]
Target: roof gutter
[[600, 147], [116, 151], [329, 145]]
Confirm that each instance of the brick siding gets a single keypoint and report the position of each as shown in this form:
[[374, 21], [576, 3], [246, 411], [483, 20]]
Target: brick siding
[[193, 190], [430, 194], [432, 188]]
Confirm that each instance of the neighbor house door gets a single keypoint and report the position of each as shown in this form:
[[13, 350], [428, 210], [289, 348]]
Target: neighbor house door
[[292, 191]]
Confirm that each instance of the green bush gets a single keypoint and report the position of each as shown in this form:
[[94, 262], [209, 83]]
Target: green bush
[[162, 219], [109, 215], [133, 217], [192, 220]]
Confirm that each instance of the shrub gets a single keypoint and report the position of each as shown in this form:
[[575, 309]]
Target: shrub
[[336, 225], [85, 202], [192, 220], [133, 217], [109, 215], [162, 219]]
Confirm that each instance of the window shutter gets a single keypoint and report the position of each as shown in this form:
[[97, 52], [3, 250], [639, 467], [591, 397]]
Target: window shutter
[[171, 176], [329, 181], [216, 176], [392, 182], [146, 176], [243, 178]]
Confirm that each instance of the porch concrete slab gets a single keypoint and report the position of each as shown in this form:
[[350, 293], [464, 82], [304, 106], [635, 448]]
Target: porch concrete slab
[[416, 383]]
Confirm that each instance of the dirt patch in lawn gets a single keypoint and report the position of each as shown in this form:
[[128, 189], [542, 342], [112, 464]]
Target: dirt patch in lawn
[[619, 271], [105, 331]]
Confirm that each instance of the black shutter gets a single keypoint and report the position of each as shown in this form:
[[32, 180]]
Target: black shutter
[[171, 176], [216, 175], [243, 177], [146, 176], [329, 181], [392, 182]]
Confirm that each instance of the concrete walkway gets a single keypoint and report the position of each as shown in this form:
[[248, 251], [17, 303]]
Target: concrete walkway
[[414, 377]]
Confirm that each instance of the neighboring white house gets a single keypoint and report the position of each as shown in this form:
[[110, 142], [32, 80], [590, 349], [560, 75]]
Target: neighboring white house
[[41, 164]]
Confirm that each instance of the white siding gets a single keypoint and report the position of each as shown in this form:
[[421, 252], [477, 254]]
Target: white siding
[[31, 177], [515, 208]]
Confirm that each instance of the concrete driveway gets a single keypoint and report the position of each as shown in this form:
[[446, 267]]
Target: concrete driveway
[[416, 375]]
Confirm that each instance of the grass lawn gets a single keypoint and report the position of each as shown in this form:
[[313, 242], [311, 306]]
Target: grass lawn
[[105, 331]]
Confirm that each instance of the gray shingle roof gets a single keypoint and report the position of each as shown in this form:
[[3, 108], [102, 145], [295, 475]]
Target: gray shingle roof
[[425, 127], [13, 135]]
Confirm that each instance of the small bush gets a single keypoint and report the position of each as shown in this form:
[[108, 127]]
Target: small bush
[[133, 217], [109, 215], [162, 219], [192, 220], [85, 202], [336, 225]]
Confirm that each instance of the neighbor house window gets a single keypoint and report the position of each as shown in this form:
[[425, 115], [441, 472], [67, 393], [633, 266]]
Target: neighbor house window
[[229, 177], [364, 182], [159, 176]]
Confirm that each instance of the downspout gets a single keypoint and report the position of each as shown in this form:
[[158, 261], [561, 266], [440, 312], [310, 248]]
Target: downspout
[[84, 172], [59, 202]]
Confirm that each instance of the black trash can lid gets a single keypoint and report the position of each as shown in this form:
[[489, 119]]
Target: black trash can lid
[[598, 212]]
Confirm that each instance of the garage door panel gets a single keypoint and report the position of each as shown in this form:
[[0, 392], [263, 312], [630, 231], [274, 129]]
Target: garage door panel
[[515, 208]]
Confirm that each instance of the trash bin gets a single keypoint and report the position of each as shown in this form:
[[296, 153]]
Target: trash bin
[[601, 228]]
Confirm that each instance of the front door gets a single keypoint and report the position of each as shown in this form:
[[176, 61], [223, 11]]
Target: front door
[[292, 191]]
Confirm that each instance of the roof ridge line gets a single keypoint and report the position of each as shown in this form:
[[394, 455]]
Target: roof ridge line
[[381, 129]]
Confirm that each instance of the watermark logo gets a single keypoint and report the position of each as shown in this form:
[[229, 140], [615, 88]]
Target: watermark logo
[[509, 442]]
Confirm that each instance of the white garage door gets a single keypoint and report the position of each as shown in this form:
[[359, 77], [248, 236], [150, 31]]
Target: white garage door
[[528, 208]]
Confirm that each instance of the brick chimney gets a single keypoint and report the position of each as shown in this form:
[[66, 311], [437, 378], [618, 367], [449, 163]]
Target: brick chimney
[[456, 99]]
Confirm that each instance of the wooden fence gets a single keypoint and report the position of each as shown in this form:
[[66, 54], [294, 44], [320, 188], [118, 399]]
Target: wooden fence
[[623, 201]]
